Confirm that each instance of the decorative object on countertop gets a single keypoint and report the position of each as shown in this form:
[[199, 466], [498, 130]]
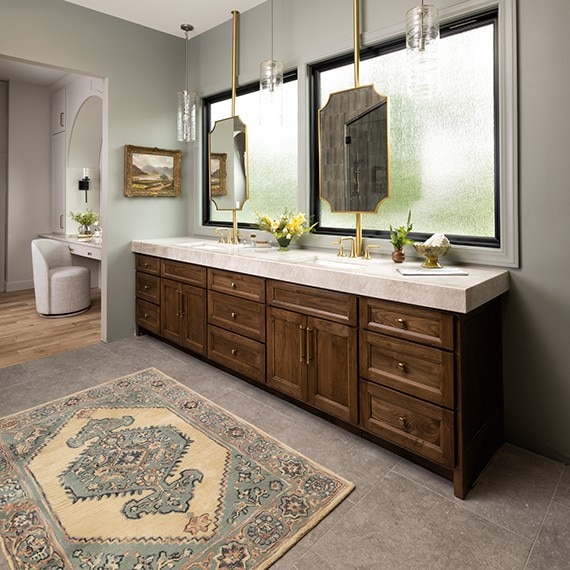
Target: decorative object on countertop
[[399, 238], [433, 248], [287, 227], [85, 220]]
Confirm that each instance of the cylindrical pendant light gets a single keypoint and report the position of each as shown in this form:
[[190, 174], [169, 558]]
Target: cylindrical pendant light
[[271, 87], [187, 102], [422, 47]]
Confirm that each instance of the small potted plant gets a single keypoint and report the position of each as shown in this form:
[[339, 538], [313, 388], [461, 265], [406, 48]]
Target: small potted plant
[[399, 238], [85, 221]]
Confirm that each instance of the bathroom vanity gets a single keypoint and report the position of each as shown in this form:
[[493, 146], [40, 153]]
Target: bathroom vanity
[[413, 363]]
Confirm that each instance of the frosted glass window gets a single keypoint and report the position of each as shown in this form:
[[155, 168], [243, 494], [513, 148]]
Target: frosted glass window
[[273, 168], [443, 149]]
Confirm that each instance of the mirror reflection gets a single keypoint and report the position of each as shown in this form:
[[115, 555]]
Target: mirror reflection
[[228, 164], [353, 148]]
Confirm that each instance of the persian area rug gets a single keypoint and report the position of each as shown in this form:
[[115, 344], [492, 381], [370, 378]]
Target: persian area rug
[[141, 473]]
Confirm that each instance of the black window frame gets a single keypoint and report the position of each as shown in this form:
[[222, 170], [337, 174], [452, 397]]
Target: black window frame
[[207, 102], [449, 28]]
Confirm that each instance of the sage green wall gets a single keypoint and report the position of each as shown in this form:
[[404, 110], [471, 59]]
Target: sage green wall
[[144, 68]]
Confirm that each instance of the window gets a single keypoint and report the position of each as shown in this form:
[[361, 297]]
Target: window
[[444, 151], [272, 154]]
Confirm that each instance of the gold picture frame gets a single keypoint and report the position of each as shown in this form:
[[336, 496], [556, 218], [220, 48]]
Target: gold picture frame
[[152, 172], [218, 174]]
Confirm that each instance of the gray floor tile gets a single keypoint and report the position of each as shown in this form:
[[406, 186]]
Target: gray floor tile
[[400, 524], [514, 491], [562, 494], [552, 548]]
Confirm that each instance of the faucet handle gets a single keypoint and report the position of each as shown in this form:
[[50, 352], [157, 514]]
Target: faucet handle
[[340, 249], [220, 231], [367, 250]]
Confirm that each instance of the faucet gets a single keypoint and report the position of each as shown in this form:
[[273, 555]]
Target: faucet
[[222, 239], [352, 247], [367, 251]]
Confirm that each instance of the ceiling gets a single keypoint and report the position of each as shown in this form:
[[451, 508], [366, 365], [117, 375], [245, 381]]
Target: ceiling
[[168, 18], [167, 15]]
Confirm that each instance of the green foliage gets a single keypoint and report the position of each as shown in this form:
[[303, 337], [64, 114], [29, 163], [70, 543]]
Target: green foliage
[[399, 236], [85, 218]]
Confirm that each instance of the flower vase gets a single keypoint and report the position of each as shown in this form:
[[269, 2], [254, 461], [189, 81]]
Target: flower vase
[[398, 256], [284, 243], [84, 230]]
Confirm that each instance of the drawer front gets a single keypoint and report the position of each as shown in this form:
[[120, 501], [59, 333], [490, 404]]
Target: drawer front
[[405, 321], [184, 272], [85, 250], [237, 353], [417, 370], [148, 287], [330, 305], [148, 264], [417, 426], [148, 316], [237, 284], [237, 315]]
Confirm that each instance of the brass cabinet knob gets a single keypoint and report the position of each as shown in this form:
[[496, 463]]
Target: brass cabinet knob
[[402, 366], [234, 285], [401, 322], [402, 420], [234, 315], [234, 351], [146, 286], [146, 315]]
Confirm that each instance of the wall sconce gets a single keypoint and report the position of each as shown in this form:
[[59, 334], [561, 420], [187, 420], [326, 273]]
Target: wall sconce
[[422, 41], [187, 102], [271, 88], [84, 182]]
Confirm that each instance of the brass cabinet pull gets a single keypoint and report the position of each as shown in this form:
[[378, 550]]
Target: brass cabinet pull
[[301, 343], [309, 351], [146, 315], [401, 322], [146, 264], [402, 366], [234, 285], [402, 420], [146, 286], [234, 351], [234, 315]]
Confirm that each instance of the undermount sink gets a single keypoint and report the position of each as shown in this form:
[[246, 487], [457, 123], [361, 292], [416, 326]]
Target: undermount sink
[[204, 246], [339, 263]]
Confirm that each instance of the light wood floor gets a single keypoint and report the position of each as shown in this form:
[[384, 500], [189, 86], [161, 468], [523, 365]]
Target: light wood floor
[[25, 335]]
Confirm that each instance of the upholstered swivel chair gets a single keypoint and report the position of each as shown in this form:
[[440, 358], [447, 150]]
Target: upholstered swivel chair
[[61, 289]]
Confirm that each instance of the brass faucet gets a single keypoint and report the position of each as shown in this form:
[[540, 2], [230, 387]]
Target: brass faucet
[[367, 251], [352, 247], [220, 232]]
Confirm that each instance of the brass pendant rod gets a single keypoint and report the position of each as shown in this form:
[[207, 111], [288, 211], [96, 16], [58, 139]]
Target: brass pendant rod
[[235, 15], [356, 18]]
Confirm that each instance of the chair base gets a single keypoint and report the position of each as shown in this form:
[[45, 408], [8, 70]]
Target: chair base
[[63, 315]]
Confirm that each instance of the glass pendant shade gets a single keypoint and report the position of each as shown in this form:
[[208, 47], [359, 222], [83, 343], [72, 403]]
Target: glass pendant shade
[[271, 92], [422, 43], [186, 116]]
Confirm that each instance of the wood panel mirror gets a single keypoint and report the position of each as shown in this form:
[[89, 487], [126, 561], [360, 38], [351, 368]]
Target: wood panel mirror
[[353, 150]]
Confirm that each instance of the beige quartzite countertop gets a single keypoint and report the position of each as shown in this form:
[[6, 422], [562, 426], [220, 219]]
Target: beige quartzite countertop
[[378, 277]]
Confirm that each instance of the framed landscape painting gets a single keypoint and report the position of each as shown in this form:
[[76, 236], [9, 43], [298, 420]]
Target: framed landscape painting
[[152, 171]]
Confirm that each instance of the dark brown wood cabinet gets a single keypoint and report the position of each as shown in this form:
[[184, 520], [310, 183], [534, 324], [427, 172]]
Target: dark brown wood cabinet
[[183, 304], [423, 382], [236, 322], [310, 358]]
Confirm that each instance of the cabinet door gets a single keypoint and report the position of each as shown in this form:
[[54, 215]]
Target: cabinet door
[[170, 308], [58, 183], [332, 368], [193, 315], [286, 352], [183, 315]]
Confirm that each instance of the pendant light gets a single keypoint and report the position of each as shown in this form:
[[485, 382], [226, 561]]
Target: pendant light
[[422, 47], [271, 87], [187, 101]]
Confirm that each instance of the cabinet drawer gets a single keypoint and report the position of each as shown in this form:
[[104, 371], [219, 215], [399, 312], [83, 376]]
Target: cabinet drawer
[[330, 305], [148, 316], [422, 428], [405, 321], [417, 370], [148, 287], [237, 353], [184, 272], [237, 284], [237, 315], [85, 250], [148, 264]]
